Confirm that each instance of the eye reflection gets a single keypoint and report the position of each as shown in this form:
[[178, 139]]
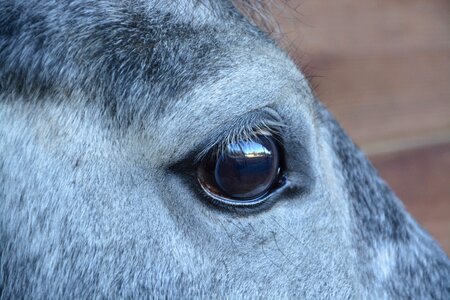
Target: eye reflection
[[247, 149], [244, 171]]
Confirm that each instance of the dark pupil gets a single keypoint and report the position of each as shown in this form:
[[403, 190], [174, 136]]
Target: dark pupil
[[247, 169]]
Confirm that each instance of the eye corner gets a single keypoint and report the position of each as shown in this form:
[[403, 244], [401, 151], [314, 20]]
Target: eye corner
[[187, 165]]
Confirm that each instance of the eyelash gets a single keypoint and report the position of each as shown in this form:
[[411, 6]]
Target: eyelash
[[247, 130]]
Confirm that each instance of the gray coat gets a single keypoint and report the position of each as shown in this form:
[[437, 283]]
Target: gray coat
[[105, 107]]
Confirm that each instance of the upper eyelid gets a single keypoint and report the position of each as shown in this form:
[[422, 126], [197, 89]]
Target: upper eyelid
[[246, 126]]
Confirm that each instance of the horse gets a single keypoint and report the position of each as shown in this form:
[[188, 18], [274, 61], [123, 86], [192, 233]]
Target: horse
[[170, 149]]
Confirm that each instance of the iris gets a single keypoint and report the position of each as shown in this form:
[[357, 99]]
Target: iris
[[244, 171]]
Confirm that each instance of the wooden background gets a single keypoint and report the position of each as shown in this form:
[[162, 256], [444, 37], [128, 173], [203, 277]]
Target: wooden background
[[383, 68]]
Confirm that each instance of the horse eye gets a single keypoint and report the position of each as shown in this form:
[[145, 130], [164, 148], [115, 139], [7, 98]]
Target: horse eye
[[246, 172]]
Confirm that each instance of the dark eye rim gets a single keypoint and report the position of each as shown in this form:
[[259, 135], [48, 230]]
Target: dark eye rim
[[189, 178], [278, 186]]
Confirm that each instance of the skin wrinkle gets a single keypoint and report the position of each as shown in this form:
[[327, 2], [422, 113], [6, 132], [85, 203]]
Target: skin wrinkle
[[99, 99]]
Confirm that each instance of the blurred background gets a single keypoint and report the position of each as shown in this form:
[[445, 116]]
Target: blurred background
[[383, 68]]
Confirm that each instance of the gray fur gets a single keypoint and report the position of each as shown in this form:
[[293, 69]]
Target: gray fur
[[102, 101]]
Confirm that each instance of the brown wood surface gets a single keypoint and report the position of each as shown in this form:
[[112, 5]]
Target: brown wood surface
[[383, 69], [383, 66]]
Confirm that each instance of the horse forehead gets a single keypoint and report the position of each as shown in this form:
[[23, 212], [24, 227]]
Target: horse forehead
[[140, 60], [106, 46]]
